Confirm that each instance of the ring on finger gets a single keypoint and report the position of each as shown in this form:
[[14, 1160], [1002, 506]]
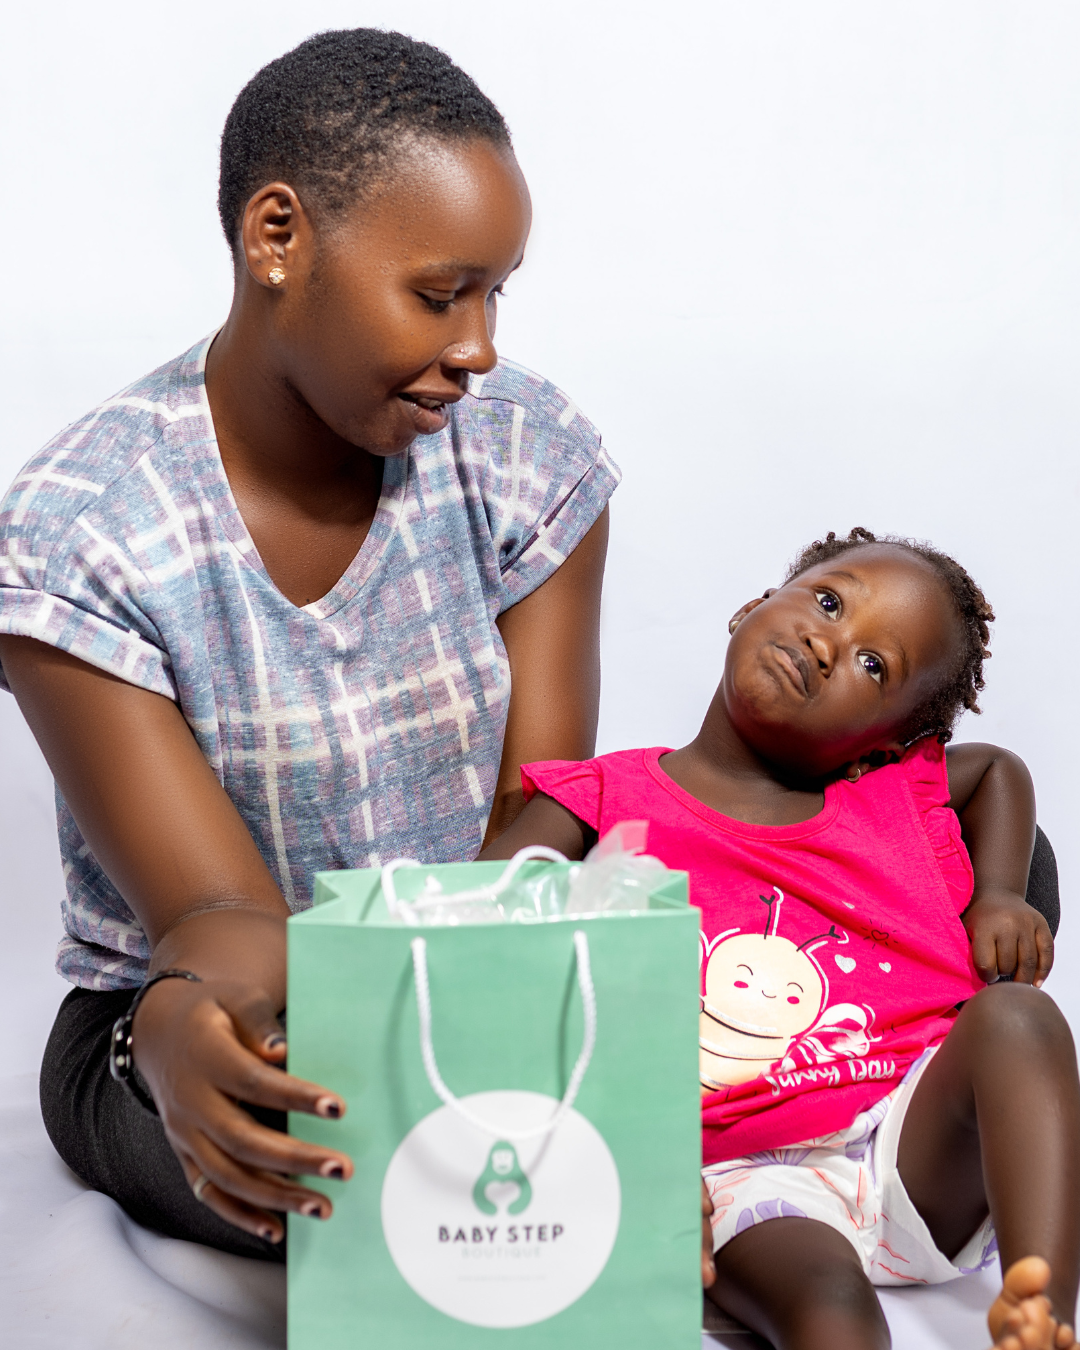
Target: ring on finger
[[198, 1187]]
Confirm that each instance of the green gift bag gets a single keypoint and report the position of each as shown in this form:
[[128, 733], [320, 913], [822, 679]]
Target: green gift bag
[[523, 1114]]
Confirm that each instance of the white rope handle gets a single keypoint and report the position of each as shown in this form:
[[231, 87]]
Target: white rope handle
[[435, 1078], [492, 892], [386, 879]]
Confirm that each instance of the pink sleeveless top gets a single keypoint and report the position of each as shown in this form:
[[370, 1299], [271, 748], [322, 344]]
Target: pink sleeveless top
[[832, 952]]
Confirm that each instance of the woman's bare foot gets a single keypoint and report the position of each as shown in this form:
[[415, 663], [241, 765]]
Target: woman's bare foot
[[1020, 1318]]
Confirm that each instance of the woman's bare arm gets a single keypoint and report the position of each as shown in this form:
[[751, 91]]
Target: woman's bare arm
[[171, 841], [552, 640]]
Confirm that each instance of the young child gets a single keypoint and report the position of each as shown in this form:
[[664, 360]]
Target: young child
[[873, 1113]]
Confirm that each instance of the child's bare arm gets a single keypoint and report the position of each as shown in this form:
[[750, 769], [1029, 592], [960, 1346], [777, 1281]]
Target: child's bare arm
[[543, 821], [992, 793]]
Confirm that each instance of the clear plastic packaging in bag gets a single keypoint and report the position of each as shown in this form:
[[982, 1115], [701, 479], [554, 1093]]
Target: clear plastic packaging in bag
[[614, 876]]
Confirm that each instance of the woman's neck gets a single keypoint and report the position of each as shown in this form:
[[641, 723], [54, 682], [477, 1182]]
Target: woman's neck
[[264, 428], [307, 496]]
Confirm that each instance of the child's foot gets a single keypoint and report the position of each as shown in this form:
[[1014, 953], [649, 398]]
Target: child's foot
[[1020, 1318]]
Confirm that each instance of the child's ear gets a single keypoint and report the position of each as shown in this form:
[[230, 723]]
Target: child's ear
[[892, 752], [741, 614], [889, 753]]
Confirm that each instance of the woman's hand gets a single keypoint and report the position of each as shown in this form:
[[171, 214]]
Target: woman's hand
[[708, 1263], [201, 1048], [1008, 937], [165, 832]]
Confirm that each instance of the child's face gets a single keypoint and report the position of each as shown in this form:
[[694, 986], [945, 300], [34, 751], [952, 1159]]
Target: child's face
[[829, 667]]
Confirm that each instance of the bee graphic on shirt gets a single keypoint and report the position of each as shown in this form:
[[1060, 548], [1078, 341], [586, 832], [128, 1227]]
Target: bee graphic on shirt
[[766, 1004]]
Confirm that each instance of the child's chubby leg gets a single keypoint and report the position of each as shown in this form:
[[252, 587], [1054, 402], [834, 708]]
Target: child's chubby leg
[[801, 1285], [994, 1123]]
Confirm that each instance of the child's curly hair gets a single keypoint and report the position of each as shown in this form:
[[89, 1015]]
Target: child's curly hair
[[937, 714]]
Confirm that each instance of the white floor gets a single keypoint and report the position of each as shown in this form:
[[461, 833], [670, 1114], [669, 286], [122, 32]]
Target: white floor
[[75, 1272]]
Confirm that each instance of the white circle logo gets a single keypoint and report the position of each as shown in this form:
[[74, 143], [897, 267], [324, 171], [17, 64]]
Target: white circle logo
[[495, 1233]]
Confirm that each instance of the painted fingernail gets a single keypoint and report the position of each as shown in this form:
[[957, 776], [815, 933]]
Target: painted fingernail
[[269, 1234], [275, 1042], [328, 1106], [332, 1169], [312, 1210]]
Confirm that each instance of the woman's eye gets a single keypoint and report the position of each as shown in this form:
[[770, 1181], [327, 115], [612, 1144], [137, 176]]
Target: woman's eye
[[436, 306], [828, 602], [873, 665]]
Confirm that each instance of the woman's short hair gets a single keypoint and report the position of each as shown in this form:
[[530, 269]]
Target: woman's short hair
[[328, 116]]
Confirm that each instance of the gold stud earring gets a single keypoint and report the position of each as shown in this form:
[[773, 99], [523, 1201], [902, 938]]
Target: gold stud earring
[[733, 625], [275, 276]]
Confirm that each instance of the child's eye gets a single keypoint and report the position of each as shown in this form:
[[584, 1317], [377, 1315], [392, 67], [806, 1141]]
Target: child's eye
[[873, 665], [828, 602]]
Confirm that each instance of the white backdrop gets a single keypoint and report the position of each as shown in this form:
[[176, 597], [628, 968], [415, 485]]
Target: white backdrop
[[807, 265]]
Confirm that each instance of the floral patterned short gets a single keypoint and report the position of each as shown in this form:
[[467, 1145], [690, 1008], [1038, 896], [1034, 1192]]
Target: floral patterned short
[[849, 1181]]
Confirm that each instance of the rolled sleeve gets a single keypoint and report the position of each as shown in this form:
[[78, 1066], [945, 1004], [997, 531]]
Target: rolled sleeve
[[54, 620], [79, 592], [560, 531], [543, 475]]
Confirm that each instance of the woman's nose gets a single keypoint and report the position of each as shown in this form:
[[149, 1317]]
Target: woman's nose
[[474, 348]]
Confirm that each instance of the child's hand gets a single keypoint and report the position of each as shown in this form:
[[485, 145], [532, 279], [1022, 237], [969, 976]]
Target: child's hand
[[708, 1267], [1008, 937]]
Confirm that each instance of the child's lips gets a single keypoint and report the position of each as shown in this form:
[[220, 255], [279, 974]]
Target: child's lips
[[793, 664]]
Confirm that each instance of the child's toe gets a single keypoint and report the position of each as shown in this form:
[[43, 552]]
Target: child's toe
[[1021, 1310], [1026, 1278]]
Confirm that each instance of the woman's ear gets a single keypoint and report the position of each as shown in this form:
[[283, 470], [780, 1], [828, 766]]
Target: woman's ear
[[741, 614], [272, 232]]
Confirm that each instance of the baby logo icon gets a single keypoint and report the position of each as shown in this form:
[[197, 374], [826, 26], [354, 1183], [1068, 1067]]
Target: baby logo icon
[[766, 1003], [502, 1174], [501, 1234]]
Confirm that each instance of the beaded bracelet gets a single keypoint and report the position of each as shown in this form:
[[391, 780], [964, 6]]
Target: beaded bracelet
[[121, 1060]]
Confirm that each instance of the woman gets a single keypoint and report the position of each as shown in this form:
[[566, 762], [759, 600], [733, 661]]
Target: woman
[[262, 610]]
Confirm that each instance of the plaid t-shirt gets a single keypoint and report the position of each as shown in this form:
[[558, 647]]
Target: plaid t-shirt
[[363, 727]]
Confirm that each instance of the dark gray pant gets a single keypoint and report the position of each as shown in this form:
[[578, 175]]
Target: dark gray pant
[[112, 1143], [106, 1138]]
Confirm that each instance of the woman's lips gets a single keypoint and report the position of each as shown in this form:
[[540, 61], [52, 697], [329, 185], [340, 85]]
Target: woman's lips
[[427, 417]]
